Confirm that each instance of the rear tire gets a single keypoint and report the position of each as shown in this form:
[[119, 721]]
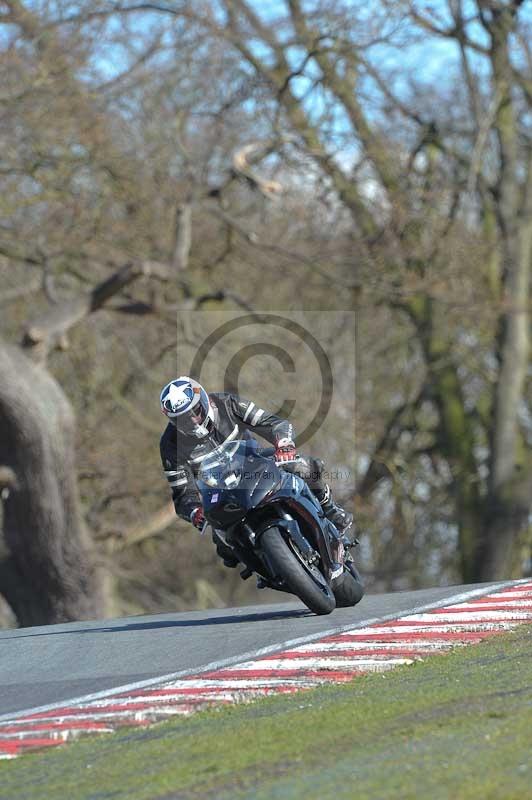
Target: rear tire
[[348, 588], [286, 566]]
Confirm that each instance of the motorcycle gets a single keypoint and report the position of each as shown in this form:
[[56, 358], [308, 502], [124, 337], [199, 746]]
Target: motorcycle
[[268, 518]]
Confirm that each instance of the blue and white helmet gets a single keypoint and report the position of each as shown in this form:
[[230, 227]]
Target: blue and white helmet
[[186, 404]]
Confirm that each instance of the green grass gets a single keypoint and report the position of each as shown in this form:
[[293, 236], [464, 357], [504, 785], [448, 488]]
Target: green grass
[[456, 726]]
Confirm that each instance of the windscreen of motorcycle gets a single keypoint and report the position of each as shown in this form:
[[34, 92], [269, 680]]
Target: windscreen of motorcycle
[[224, 467]]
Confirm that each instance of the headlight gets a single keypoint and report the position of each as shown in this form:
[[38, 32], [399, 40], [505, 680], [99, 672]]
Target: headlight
[[232, 507], [232, 480]]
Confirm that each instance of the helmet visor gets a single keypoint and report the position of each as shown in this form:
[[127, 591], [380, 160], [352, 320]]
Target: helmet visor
[[192, 421]]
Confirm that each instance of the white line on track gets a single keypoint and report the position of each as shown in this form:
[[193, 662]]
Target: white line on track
[[469, 616], [496, 604], [336, 662], [455, 627], [420, 644], [58, 734]]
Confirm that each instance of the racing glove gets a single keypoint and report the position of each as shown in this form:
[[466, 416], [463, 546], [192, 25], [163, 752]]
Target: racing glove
[[285, 450], [197, 518]]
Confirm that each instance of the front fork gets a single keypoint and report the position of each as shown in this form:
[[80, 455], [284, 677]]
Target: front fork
[[329, 543]]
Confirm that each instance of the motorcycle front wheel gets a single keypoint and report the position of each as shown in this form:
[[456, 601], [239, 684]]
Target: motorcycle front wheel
[[348, 588], [316, 594]]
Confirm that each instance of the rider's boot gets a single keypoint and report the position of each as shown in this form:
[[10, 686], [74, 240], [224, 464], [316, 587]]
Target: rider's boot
[[339, 517], [226, 553]]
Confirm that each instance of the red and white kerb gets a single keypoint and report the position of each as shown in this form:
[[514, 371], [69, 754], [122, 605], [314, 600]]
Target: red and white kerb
[[336, 658]]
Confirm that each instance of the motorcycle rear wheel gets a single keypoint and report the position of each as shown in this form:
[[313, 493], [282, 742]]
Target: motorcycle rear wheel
[[319, 598]]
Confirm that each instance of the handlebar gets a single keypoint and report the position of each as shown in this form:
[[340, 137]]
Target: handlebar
[[267, 452]]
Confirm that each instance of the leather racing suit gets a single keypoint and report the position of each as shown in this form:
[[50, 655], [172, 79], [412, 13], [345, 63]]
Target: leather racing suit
[[234, 418]]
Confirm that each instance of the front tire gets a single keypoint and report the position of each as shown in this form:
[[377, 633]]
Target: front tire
[[348, 588], [287, 567]]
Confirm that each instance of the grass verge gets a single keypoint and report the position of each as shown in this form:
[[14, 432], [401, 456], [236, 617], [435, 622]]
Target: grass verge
[[455, 726]]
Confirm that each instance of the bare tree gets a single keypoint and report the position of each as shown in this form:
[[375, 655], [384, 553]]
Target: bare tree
[[48, 575], [70, 152], [334, 55], [133, 192]]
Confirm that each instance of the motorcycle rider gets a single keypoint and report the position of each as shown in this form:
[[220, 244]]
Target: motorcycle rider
[[200, 422]]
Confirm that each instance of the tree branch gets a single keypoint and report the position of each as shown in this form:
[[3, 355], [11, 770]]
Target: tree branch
[[153, 525], [20, 291], [50, 328], [242, 166], [378, 467]]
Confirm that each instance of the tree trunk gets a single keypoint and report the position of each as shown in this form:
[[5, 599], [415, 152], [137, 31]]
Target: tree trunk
[[48, 575], [456, 434], [509, 486]]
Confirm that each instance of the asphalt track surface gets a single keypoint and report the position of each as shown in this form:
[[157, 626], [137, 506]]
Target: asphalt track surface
[[56, 663]]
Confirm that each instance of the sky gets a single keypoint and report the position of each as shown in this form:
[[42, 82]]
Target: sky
[[426, 57], [431, 60]]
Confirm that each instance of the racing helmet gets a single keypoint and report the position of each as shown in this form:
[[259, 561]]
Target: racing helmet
[[186, 404]]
